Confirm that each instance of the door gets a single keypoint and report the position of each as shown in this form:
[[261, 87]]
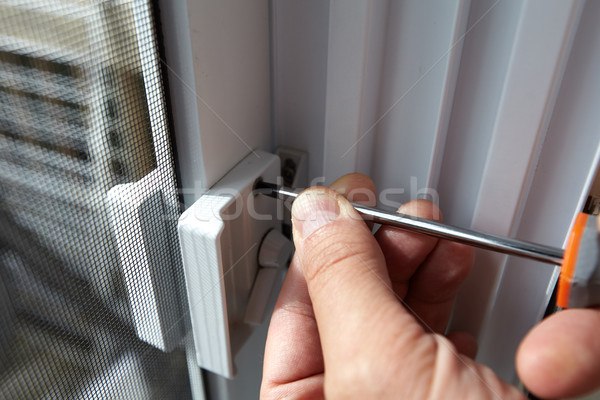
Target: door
[[118, 116]]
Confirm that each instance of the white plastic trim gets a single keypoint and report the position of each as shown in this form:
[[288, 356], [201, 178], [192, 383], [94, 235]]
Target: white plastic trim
[[261, 293], [220, 258], [231, 80], [138, 225]]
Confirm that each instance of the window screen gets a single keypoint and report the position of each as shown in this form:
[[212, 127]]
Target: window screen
[[82, 115]]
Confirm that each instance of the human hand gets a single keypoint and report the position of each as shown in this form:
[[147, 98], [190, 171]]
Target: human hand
[[363, 316], [560, 357]]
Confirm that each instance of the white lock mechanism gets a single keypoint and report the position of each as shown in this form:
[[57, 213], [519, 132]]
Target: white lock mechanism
[[232, 247], [275, 252]]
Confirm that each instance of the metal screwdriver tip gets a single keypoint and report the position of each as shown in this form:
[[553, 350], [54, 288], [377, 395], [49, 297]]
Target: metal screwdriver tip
[[534, 251]]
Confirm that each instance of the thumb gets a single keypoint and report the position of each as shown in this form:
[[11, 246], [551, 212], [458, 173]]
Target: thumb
[[347, 280]]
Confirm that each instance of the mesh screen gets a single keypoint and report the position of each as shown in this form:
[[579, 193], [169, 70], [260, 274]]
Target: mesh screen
[[81, 116]]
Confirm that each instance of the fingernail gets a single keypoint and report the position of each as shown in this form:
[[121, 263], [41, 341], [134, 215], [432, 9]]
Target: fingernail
[[313, 209]]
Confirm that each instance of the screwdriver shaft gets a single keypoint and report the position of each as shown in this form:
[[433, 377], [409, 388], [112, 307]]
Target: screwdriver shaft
[[534, 251]]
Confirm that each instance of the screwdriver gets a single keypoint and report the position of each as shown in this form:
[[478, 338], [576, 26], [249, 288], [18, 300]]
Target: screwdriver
[[579, 282]]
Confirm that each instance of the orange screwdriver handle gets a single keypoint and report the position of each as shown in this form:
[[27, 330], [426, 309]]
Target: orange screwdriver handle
[[579, 281]]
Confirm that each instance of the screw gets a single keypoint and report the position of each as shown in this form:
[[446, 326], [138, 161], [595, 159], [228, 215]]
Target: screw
[[288, 171]]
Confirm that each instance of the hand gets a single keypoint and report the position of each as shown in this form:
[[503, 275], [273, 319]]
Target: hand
[[344, 324], [560, 357], [363, 317]]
